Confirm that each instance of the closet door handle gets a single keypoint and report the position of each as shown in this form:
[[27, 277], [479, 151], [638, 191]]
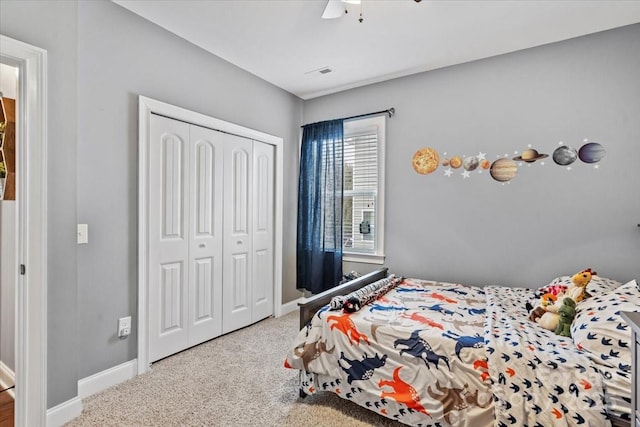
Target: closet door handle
[[202, 245], [239, 242]]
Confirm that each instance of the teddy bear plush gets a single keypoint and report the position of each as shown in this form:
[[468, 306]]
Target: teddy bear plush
[[566, 313]]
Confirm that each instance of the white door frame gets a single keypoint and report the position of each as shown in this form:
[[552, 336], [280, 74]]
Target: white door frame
[[146, 107], [31, 195]]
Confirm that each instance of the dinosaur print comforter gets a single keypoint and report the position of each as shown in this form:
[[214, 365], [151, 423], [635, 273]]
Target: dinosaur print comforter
[[442, 354]]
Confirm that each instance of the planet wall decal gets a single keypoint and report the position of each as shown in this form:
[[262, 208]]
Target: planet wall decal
[[425, 160], [591, 152], [530, 155], [503, 170], [455, 162], [565, 155], [470, 163]]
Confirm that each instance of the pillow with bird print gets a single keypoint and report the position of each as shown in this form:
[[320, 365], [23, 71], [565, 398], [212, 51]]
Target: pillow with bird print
[[599, 330]]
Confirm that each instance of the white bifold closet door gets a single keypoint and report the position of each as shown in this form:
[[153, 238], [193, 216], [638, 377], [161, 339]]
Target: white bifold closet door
[[248, 232], [210, 234]]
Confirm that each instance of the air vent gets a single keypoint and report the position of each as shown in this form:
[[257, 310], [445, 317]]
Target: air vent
[[321, 70]]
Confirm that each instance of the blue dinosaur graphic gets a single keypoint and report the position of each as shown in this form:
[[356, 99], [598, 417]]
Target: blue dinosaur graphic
[[476, 341], [438, 308], [361, 369], [403, 289], [381, 307], [473, 311], [419, 347]]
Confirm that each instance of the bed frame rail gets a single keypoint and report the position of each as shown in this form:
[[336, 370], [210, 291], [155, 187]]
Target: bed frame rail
[[310, 305]]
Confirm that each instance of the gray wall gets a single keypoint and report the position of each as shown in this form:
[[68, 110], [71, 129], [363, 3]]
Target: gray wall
[[547, 221], [52, 26], [120, 56]]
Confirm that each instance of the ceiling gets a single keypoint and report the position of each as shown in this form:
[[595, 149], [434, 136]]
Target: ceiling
[[286, 42]]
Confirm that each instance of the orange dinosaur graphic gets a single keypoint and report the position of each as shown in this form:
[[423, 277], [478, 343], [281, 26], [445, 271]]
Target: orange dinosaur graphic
[[402, 392], [510, 372], [345, 325], [441, 297], [557, 413], [420, 318]]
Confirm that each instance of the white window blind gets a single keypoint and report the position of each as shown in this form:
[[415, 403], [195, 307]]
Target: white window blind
[[361, 181]]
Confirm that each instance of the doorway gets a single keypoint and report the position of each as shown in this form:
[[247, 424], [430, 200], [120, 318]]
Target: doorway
[[8, 242], [29, 254]]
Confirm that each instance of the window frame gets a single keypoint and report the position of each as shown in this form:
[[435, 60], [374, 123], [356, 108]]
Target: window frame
[[354, 127]]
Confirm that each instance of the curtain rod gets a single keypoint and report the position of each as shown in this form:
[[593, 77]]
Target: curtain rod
[[390, 111]]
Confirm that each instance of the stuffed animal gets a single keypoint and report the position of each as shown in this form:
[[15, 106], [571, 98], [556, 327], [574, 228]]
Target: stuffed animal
[[578, 289], [549, 320], [566, 313], [546, 301], [553, 295]]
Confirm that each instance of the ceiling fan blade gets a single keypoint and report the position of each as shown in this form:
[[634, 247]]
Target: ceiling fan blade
[[333, 10]]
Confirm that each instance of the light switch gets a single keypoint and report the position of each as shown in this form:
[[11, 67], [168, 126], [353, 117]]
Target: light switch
[[83, 234]]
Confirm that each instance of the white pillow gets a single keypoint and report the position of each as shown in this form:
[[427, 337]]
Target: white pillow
[[599, 330]]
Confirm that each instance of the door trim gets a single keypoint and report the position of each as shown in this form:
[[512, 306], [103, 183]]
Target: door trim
[[31, 191], [146, 107]]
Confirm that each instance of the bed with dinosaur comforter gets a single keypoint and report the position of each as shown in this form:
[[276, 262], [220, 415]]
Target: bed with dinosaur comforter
[[442, 354]]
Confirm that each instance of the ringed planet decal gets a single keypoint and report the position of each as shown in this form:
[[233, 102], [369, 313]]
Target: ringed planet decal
[[530, 155]]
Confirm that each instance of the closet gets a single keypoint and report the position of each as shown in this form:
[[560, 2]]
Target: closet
[[210, 232]]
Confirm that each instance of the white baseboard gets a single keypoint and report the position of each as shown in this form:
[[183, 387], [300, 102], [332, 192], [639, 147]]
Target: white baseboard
[[7, 378], [63, 413], [107, 378], [289, 307], [72, 408]]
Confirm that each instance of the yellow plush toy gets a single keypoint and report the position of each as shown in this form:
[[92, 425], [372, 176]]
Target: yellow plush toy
[[578, 289]]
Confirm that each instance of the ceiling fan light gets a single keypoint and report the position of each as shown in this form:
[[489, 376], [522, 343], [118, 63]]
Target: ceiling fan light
[[351, 1], [334, 9]]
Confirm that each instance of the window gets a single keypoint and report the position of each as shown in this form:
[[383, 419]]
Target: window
[[363, 180]]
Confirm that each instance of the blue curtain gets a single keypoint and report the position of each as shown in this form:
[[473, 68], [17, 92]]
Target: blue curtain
[[320, 190]]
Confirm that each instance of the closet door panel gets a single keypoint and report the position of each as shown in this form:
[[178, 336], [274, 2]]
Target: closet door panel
[[168, 239], [263, 237], [237, 264], [205, 235]]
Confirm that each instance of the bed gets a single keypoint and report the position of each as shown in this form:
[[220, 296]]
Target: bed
[[429, 353]]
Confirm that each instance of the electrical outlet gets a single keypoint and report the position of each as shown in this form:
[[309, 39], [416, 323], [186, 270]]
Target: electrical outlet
[[124, 326]]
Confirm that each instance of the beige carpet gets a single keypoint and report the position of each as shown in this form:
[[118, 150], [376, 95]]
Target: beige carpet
[[234, 380]]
